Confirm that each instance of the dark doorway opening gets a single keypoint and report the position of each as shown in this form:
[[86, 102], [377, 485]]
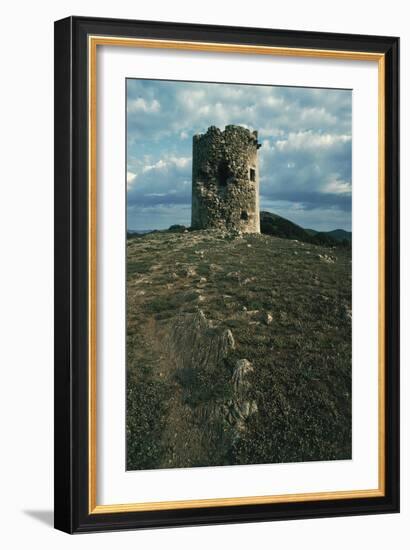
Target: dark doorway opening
[[223, 174]]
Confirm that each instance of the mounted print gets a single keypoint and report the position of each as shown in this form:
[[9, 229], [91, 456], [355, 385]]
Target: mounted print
[[239, 301], [226, 274]]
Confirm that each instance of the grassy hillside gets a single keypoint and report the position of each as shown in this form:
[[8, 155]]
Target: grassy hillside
[[238, 350]]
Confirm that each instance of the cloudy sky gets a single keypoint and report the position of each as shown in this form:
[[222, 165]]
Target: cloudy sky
[[305, 159]]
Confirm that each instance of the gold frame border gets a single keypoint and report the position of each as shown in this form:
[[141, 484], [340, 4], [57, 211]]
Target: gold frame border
[[93, 42]]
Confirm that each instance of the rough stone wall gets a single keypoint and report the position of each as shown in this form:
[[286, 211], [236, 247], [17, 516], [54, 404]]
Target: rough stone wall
[[225, 180]]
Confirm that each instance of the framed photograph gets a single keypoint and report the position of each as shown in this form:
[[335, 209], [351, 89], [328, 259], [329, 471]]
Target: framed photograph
[[226, 274]]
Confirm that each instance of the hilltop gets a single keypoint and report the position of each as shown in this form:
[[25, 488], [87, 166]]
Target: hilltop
[[238, 349]]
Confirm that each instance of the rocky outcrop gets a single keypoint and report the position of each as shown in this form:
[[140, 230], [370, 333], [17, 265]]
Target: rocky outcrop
[[197, 343], [200, 347], [240, 375]]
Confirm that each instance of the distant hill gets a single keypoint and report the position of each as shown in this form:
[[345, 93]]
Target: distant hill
[[139, 231], [272, 224], [325, 239], [340, 235]]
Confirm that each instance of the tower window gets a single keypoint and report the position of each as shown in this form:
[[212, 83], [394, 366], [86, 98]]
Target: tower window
[[223, 174], [252, 174], [244, 215]]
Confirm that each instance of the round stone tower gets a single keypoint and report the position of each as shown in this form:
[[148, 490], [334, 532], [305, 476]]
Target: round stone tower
[[225, 180]]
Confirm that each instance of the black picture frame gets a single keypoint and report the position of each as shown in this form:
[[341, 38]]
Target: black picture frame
[[72, 512]]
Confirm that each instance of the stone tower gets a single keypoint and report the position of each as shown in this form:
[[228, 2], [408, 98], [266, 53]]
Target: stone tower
[[225, 180]]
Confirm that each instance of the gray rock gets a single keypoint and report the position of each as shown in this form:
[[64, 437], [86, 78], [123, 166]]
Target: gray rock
[[196, 343], [242, 369], [268, 318]]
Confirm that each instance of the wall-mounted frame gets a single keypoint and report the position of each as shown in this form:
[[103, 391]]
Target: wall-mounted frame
[[93, 60]]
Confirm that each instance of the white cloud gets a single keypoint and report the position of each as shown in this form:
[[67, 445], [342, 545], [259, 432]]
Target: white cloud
[[269, 132], [159, 165], [163, 181], [131, 177], [167, 163], [338, 187], [146, 106], [273, 101], [317, 115], [181, 162], [306, 140], [187, 108]]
